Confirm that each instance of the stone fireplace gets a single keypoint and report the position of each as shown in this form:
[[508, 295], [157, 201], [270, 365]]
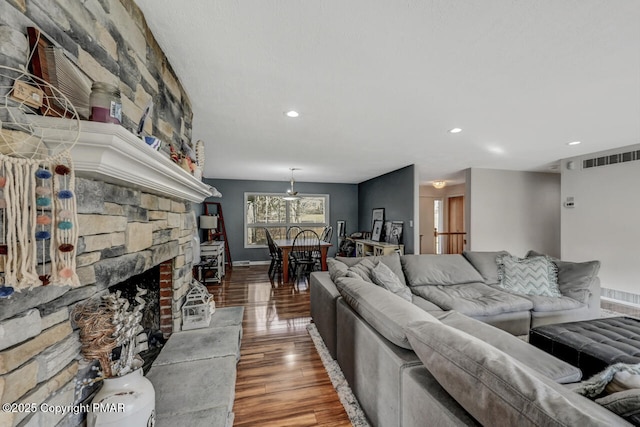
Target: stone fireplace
[[134, 214]]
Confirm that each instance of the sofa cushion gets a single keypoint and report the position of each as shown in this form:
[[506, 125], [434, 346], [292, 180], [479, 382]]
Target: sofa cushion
[[493, 386], [543, 304], [485, 263], [473, 299], [529, 276], [574, 278], [392, 261], [542, 362], [385, 312], [383, 276], [424, 304], [422, 270]]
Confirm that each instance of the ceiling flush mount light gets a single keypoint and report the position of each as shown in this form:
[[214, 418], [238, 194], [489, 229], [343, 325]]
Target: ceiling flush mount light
[[293, 114], [439, 184], [291, 194], [455, 130], [574, 142]]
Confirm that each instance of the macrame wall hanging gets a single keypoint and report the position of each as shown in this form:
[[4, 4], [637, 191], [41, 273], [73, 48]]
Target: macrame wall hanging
[[39, 233]]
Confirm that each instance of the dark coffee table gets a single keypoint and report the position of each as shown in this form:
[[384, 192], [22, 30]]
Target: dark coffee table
[[591, 345]]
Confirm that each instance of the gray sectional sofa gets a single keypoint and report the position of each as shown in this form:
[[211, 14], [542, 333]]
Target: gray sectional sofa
[[419, 361]]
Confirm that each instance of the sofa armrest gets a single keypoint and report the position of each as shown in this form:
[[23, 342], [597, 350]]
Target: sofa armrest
[[593, 301], [324, 295]]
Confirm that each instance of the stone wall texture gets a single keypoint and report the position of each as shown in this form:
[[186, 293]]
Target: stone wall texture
[[123, 231], [112, 44]]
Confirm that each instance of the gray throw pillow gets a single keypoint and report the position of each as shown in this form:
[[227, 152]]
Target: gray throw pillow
[[624, 403], [383, 276], [392, 261], [363, 269], [495, 388], [485, 263], [528, 276], [574, 278], [336, 269]]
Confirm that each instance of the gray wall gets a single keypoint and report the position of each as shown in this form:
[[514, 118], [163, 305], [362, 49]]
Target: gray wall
[[343, 205], [603, 225], [396, 193], [514, 211]]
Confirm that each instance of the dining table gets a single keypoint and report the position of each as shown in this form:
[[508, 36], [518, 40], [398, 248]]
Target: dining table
[[287, 244]]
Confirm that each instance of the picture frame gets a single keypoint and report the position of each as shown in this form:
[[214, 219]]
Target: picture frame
[[395, 233], [387, 231], [377, 214], [377, 230], [341, 228]]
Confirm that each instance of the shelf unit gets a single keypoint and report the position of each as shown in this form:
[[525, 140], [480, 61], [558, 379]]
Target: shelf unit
[[211, 268], [219, 234], [372, 248]]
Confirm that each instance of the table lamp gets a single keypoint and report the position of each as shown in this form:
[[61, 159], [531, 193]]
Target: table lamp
[[208, 223]]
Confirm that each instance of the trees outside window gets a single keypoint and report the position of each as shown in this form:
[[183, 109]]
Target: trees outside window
[[273, 212]]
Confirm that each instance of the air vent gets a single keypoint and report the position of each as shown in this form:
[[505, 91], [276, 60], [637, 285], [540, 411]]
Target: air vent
[[611, 159]]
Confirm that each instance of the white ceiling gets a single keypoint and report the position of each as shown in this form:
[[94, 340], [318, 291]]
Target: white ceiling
[[379, 83]]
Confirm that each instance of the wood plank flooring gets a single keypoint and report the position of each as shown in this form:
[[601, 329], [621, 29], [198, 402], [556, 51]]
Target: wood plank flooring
[[281, 380]]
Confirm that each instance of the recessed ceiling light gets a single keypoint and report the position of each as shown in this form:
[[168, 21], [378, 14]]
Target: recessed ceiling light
[[574, 142], [455, 130], [292, 114], [495, 149]]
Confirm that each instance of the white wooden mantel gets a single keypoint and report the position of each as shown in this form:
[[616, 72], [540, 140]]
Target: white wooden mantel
[[110, 153]]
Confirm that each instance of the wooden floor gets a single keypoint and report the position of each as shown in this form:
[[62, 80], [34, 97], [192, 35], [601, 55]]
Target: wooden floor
[[281, 380]]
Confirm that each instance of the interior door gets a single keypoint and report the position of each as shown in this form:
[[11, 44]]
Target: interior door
[[455, 217]]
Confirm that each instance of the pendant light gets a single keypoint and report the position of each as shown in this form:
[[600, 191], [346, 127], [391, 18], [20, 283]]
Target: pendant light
[[291, 194]]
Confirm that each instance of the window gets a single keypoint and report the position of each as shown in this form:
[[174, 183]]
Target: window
[[438, 220], [271, 211]]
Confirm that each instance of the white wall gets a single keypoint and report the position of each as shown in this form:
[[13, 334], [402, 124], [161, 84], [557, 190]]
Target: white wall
[[514, 211], [605, 222]]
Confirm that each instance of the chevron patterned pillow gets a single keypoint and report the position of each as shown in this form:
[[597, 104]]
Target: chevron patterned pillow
[[529, 276]]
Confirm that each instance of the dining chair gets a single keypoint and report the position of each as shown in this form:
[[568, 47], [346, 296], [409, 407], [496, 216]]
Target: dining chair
[[276, 255], [293, 231], [305, 245], [327, 234]]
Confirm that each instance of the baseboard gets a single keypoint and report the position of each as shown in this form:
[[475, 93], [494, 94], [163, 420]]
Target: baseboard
[[618, 302], [248, 263], [620, 297]]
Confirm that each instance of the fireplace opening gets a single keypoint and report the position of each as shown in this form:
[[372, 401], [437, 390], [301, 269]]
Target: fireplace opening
[[149, 280]]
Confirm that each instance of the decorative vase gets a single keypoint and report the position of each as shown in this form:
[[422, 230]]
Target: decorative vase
[[129, 400]]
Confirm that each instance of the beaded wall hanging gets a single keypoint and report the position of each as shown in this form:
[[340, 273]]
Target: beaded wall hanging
[[39, 233]]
